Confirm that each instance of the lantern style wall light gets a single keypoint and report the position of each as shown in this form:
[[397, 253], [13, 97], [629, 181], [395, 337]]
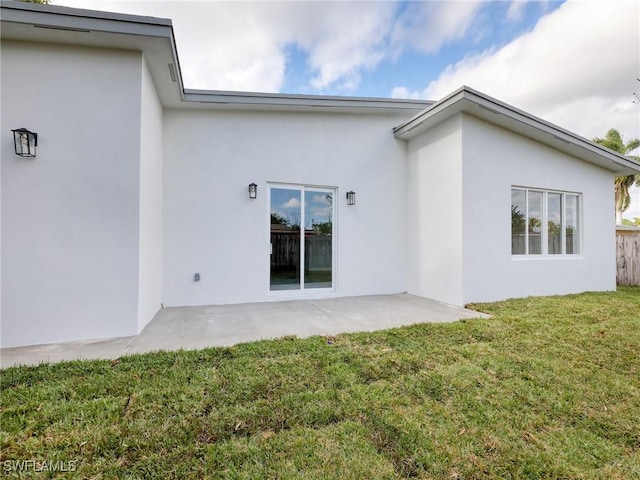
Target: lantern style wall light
[[253, 190], [351, 198], [25, 142]]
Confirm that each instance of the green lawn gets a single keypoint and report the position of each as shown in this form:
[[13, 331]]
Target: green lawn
[[547, 388]]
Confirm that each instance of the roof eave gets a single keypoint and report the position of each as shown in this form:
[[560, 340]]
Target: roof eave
[[467, 100], [14, 8], [152, 36], [229, 99]]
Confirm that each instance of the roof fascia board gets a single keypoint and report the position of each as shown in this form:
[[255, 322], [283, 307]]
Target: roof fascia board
[[24, 12], [464, 98], [214, 97], [547, 127], [436, 108]]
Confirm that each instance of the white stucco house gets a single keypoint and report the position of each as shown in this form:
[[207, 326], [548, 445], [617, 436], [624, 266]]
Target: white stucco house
[[138, 196]]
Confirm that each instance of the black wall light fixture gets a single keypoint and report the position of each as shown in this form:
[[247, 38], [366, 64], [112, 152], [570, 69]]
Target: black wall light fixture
[[25, 142], [351, 198], [253, 190]]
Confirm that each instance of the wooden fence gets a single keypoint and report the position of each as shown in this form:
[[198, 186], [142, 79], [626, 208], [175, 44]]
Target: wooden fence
[[554, 243], [285, 252], [628, 258]]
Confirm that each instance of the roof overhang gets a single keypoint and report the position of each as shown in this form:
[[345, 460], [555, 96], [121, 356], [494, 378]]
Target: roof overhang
[[294, 102], [152, 36], [472, 102]]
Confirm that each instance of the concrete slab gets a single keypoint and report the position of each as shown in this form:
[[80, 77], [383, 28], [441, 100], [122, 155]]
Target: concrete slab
[[191, 328]]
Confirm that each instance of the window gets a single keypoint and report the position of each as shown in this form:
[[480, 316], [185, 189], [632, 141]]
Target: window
[[544, 222]]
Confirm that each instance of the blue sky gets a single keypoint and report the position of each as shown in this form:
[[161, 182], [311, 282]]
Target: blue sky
[[414, 68], [287, 203], [574, 63]]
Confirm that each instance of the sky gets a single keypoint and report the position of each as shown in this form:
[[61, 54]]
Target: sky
[[287, 203], [573, 63]]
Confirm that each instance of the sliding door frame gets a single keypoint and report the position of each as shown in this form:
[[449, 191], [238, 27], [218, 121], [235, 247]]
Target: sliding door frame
[[301, 290]]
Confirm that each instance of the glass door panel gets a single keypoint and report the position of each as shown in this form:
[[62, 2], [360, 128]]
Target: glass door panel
[[286, 216], [301, 231], [318, 238]]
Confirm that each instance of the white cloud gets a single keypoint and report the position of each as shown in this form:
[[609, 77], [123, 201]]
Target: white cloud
[[404, 92], [221, 45], [242, 45], [322, 199], [291, 203], [426, 26], [577, 68], [342, 38], [634, 208], [516, 10]]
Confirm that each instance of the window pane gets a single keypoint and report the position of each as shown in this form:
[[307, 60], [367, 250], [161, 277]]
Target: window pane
[[534, 222], [554, 223], [518, 221], [285, 239], [318, 235], [572, 232]]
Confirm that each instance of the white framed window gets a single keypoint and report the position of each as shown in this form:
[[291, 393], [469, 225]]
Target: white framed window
[[545, 222]]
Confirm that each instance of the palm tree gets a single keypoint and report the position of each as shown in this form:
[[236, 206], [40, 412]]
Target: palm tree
[[613, 141]]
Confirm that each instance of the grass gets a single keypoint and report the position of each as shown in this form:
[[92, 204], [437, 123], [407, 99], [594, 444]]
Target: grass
[[546, 388]]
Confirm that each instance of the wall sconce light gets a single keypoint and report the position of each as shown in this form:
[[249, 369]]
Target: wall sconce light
[[253, 190], [351, 198], [25, 142]]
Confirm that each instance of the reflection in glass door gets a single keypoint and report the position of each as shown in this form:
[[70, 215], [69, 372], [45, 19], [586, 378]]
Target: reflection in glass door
[[285, 238], [301, 238], [318, 238]]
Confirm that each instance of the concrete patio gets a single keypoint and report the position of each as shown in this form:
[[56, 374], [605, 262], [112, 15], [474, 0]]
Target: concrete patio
[[191, 328]]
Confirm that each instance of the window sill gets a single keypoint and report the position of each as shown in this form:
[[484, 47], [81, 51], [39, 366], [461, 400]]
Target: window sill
[[526, 258]]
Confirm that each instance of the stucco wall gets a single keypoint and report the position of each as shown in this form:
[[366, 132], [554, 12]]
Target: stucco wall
[[212, 227], [150, 256], [70, 216], [434, 263], [495, 159]]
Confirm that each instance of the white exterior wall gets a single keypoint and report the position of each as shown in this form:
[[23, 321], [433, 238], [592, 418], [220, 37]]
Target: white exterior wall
[[434, 263], [213, 228], [494, 160], [70, 216], [150, 256]]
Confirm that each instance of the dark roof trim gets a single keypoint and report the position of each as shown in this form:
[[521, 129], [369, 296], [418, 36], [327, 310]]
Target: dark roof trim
[[471, 101], [80, 13], [284, 99]]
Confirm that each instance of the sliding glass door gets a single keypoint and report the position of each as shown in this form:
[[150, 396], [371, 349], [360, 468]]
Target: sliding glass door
[[301, 230]]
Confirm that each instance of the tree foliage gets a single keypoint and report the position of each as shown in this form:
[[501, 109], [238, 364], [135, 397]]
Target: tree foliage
[[277, 219], [631, 223], [517, 220], [613, 140], [322, 228]]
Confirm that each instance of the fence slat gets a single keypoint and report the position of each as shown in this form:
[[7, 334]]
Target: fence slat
[[286, 251], [628, 259]]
